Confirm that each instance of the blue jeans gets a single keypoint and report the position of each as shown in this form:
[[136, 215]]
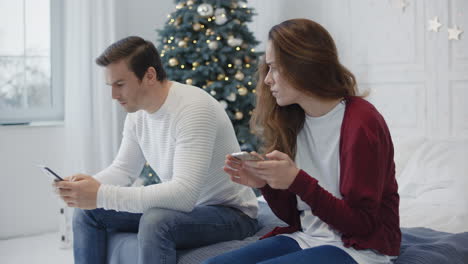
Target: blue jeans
[[160, 231], [282, 249]]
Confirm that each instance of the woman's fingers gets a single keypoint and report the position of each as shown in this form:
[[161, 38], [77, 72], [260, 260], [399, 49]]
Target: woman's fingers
[[233, 164]]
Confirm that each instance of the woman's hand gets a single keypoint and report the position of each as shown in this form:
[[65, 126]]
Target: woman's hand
[[236, 169], [279, 171]]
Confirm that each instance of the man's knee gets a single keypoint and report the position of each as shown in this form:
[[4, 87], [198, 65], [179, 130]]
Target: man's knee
[[157, 222], [81, 216]]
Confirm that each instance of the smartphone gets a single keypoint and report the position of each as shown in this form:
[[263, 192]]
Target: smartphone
[[244, 156], [50, 173]]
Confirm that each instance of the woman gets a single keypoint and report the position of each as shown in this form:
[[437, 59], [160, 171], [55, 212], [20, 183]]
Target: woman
[[329, 172]]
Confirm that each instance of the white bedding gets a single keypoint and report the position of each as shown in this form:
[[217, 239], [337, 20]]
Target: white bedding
[[433, 187]]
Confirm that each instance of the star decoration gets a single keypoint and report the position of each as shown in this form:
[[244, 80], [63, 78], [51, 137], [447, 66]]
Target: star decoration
[[434, 24], [454, 33]]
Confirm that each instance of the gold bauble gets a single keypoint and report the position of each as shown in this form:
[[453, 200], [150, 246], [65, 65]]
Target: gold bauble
[[221, 77], [247, 59], [242, 91], [189, 81], [195, 64], [173, 62], [197, 26], [182, 44], [208, 83], [179, 6], [239, 115], [239, 76]]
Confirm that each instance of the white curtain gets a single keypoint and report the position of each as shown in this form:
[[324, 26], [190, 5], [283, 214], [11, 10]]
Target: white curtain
[[93, 121]]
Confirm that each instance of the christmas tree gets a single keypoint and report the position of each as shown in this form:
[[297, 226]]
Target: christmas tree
[[206, 43]]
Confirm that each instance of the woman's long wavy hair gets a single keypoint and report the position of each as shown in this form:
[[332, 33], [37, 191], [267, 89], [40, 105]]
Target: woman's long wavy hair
[[307, 59]]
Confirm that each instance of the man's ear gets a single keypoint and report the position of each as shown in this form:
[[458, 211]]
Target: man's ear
[[151, 75]]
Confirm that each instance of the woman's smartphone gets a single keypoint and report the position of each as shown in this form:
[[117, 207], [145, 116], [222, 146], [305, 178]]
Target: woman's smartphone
[[50, 173], [244, 156]]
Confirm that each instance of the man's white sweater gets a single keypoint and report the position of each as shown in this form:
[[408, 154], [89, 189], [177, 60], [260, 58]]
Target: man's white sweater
[[185, 142]]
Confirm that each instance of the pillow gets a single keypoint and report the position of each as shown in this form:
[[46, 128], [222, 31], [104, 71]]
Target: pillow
[[433, 186]]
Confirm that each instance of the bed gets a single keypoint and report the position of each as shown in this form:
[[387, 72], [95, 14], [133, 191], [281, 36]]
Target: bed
[[433, 209]]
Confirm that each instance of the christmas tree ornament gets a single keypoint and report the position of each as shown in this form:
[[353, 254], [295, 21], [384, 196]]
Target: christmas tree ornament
[[234, 42], [178, 21], [239, 76], [242, 91], [221, 17], [190, 2], [182, 44], [243, 4], [197, 26], [179, 6], [454, 33], [209, 32], [189, 81], [173, 62], [231, 97], [247, 59], [238, 62], [205, 10], [213, 92], [239, 115], [434, 24], [221, 77], [195, 64], [224, 104], [213, 45]]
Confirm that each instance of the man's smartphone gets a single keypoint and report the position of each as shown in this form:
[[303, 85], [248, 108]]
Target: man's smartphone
[[245, 156], [50, 173]]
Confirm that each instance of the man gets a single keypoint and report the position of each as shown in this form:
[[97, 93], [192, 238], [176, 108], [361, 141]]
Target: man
[[184, 134]]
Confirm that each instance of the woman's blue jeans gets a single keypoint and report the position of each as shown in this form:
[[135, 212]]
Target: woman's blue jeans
[[282, 250], [160, 231]]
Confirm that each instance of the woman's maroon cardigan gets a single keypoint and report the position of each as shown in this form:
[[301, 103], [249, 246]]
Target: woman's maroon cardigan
[[367, 216]]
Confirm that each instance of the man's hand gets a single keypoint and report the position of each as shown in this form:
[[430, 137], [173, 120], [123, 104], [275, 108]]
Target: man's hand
[[279, 171], [234, 167], [79, 191]]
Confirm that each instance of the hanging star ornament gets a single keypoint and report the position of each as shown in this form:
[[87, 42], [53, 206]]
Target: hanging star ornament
[[454, 33], [434, 24]]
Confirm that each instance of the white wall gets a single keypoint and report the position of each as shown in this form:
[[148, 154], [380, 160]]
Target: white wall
[[27, 203]]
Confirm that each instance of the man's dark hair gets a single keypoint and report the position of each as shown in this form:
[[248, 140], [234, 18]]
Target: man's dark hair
[[138, 53]]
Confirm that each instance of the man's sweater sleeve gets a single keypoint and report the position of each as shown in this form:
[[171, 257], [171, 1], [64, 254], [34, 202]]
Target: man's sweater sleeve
[[128, 163], [362, 181], [195, 131]]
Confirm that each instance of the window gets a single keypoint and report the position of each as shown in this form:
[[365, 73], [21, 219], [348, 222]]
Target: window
[[30, 61]]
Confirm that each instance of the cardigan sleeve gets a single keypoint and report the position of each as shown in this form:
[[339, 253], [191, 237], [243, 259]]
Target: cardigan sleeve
[[364, 169]]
